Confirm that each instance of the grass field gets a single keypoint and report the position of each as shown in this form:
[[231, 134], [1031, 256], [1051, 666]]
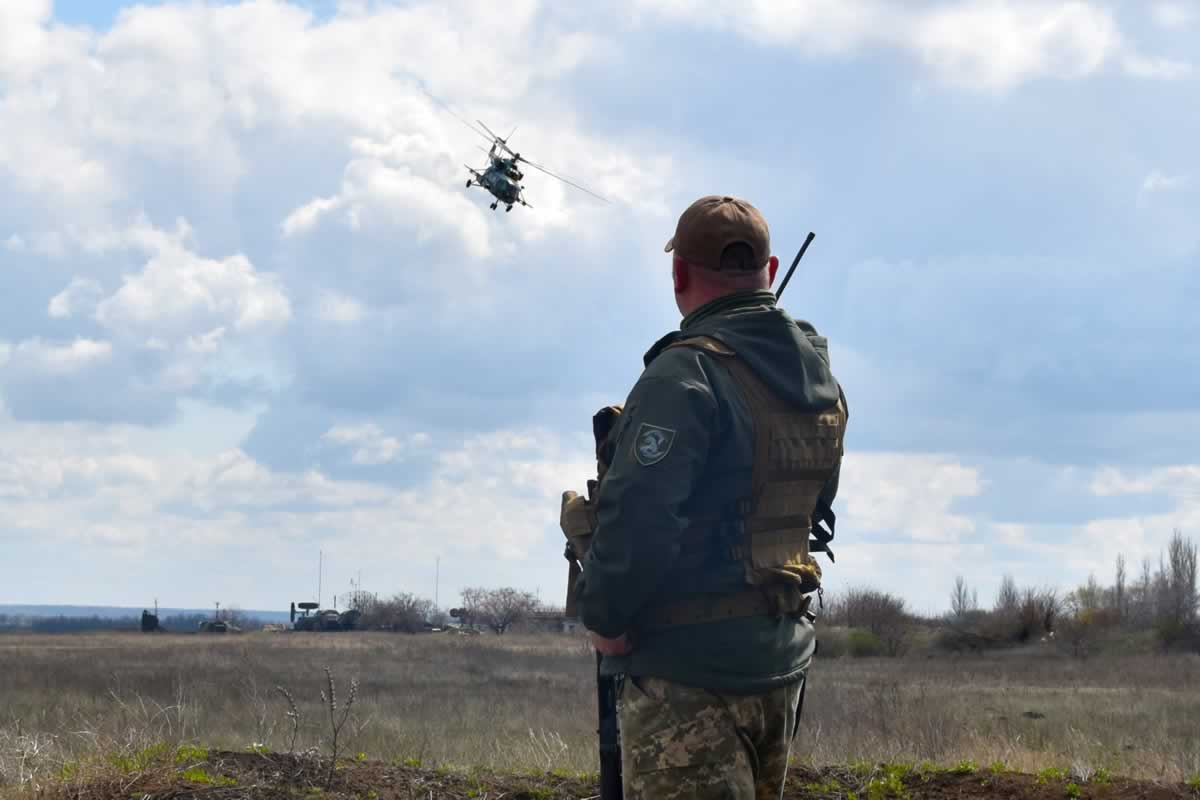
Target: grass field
[[527, 702]]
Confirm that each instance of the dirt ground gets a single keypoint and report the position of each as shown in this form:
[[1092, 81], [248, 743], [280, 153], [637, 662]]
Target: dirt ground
[[230, 775]]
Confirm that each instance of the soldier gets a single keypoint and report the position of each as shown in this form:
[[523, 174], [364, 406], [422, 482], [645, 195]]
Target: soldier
[[698, 578]]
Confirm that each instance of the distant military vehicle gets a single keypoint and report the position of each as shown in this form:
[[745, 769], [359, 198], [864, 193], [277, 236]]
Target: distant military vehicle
[[150, 622], [312, 618]]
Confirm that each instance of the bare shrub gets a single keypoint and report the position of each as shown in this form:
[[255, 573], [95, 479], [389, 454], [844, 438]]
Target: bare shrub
[[336, 724], [402, 612]]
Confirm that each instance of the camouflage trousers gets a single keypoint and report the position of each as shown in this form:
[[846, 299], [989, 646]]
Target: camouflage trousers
[[682, 742]]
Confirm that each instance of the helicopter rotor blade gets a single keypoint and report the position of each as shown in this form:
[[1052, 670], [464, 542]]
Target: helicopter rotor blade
[[453, 114], [564, 180], [501, 142], [489, 130]]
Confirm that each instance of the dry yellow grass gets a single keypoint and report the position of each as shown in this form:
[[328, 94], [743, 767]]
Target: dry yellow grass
[[526, 701]]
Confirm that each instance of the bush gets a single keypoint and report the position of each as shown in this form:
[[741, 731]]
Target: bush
[[861, 643], [883, 615], [832, 642]]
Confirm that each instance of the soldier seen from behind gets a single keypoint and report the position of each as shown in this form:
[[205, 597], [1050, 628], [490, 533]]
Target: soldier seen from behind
[[696, 571]]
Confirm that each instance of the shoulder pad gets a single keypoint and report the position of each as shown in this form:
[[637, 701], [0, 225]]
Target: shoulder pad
[[662, 344]]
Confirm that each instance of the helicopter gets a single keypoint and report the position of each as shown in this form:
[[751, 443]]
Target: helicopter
[[502, 177]]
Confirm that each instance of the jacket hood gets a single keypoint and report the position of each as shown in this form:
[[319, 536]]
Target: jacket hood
[[787, 354]]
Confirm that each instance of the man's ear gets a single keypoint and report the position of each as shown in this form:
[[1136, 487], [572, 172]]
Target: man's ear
[[679, 272], [772, 268]]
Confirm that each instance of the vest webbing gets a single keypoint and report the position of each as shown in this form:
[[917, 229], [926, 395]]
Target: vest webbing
[[795, 454]]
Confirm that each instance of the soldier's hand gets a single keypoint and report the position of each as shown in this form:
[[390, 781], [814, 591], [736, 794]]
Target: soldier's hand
[[611, 647]]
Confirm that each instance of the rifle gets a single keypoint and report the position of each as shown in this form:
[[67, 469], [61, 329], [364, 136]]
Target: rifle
[[607, 686], [795, 261], [610, 736], [823, 513]]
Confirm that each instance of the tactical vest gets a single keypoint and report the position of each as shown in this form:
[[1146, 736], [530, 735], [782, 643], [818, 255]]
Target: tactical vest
[[795, 455]]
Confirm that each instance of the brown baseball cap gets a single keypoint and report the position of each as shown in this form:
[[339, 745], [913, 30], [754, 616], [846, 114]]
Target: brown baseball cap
[[711, 224]]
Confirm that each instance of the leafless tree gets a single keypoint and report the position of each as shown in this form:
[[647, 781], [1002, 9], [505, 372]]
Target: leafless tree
[[471, 612], [503, 608], [403, 612], [1008, 599], [962, 599], [1175, 598], [1119, 595]]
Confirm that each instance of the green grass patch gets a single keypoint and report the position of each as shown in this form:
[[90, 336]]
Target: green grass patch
[[140, 761], [888, 785], [201, 776], [188, 753], [1051, 774]]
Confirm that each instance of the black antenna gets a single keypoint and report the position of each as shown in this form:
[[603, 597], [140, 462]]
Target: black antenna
[[792, 268]]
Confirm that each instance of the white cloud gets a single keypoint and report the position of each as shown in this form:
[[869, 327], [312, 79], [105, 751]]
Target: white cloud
[[1157, 181], [1180, 482], [184, 86], [376, 196], [80, 294], [996, 45], [70, 485], [985, 45], [370, 445], [1174, 15], [909, 494], [59, 359], [178, 293], [1156, 68], [336, 307]]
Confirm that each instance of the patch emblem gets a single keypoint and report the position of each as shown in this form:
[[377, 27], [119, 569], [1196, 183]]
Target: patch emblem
[[652, 444]]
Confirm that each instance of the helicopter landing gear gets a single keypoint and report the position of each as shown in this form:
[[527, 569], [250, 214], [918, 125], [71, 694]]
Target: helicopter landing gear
[[493, 206], [508, 207], [468, 184]]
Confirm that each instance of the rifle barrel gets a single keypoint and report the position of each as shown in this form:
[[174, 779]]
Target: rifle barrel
[[791, 269]]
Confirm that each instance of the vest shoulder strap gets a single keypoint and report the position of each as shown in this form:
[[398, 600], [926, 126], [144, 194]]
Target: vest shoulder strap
[[704, 343]]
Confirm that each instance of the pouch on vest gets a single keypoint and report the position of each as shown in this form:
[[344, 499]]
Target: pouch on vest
[[795, 455]]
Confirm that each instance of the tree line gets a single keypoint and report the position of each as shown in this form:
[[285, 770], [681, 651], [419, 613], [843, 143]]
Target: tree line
[[497, 610], [1158, 607]]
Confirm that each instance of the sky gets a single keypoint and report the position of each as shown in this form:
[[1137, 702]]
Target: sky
[[254, 320]]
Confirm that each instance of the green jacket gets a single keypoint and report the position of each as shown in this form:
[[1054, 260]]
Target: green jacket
[[696, 457]]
